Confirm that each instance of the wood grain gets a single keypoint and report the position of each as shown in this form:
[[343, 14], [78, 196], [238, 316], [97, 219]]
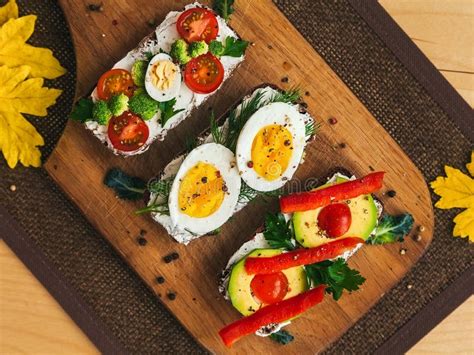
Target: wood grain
[[444, 32], [79, 163], [31, 320], [23, 335]]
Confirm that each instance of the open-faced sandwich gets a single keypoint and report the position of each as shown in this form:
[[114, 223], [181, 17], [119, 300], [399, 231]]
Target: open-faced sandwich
[[159, 83], [302, 254], [254, 149]]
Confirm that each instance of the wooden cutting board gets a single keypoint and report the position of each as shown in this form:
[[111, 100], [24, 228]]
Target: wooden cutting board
[[79, 163]]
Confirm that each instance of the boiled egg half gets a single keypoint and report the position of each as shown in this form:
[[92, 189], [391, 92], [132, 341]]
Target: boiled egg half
[[270, 146], [205, 190], [163, 78]]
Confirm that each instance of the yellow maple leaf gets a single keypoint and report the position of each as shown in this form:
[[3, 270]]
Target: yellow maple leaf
[[464, 224], [8, 11], [470, 166], [19, 140], [457, 191], [14, 51], [25, 96]]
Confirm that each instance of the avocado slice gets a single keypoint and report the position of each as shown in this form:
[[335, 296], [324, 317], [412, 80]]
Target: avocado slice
[[364, 220], [239, 290]]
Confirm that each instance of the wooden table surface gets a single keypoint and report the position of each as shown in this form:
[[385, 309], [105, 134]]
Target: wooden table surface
[[31, 321]]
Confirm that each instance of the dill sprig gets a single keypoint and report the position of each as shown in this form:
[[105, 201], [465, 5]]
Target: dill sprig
[[311, 128], [248, 194], [290, 96], [239, 117], [161, 189], [216, 131], [190, 144], [160, 208]]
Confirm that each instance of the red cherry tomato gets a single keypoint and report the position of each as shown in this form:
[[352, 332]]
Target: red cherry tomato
[[335, 219], [197, 24], [127, 132], [113, 82], [270, 288], [204, 74]]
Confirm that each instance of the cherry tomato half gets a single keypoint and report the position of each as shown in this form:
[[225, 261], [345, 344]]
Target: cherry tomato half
[[204, 74], [115, 81], [197, 24], [335, 219], [127, 132], [270, 288]]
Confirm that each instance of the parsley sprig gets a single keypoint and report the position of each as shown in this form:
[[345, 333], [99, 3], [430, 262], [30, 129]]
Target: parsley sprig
[[167, 110], [278, 232], [336, 275]]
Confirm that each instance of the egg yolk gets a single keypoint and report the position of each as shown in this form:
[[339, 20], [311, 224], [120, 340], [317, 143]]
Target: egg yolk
[[272, 148], [201, 191], [163, 74]]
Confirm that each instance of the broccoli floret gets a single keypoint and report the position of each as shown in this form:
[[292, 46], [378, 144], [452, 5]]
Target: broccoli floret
[[139, 72], [179, 51], [101, 112], [143, 105], [198, 48], [216, 48], [118, 104]]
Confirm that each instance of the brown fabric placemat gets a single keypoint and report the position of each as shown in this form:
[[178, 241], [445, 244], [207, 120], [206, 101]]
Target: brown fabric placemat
[[119, 302]]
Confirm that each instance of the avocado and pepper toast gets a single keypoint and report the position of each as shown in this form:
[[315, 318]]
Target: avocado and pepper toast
[[302, 254]]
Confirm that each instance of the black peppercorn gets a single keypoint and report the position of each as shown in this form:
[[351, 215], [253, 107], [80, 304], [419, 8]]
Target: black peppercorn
[[391, 193], [160, 279], [142, 241], [171, 296]]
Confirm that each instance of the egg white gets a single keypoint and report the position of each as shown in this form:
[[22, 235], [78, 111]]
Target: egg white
[[153, 91], [275, 113], [223, 160]]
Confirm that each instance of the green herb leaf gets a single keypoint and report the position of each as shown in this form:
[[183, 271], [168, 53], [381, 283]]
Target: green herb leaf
[[278, 232], [247, 194], [392, 229], [161, 189], [190, 144], [149, 55], [167, 110], [239, 117], [224, 8], [336, 275], [82, 111], [311, 128], [216, 131], [290, 96], [234, 47], [282, 336], [126, 187]]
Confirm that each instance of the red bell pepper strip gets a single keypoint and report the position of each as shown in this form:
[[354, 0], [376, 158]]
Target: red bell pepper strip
[[274, 313], [272, 264], [305, 201]]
